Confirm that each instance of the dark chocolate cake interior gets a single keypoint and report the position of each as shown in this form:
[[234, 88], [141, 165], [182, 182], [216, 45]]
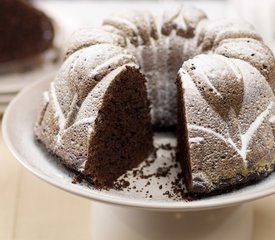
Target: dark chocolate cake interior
[[123, 136], [183, 154]]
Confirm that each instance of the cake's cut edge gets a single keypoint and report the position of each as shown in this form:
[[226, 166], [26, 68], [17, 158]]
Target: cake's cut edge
[[122, 136], [183, 151]]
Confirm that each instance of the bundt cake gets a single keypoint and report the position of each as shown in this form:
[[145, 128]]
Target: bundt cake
[[26, 32], [98, 106], [117, 83], [225, 123]]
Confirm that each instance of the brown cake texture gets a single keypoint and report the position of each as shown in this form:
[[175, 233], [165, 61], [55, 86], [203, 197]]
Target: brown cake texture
[[117, 83], [25, 31]]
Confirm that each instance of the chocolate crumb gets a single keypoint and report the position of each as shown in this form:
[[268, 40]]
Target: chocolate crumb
[[166, 193], [167, 146], [121, 184], [77, 179], [163, 171], [147, 184]]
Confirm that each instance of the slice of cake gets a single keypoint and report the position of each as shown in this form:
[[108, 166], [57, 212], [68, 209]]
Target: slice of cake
[[225, 124], [102, 124]]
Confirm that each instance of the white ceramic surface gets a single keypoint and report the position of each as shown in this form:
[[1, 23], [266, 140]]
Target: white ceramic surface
[[18, 124], [117, 223]]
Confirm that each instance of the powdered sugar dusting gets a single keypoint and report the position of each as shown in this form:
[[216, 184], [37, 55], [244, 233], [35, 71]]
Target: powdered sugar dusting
[[58, 111], [252, 129], [196, 140]]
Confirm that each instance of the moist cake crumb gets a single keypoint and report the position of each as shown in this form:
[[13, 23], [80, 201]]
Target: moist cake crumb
[[77, 178], [121, 184]]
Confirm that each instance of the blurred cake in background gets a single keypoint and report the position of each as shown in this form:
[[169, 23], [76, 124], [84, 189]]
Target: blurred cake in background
[[28, 47], [26, 32], [29, 31]]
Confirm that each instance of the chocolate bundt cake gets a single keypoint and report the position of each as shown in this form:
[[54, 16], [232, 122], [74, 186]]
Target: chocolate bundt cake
[[117, 83], [98, 107], [226, 111], [25, 31]]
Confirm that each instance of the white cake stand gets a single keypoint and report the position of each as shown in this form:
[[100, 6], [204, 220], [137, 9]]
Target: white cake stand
[[131, 215]]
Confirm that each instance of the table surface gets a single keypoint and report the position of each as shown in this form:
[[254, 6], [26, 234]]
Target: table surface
[[31, 209]]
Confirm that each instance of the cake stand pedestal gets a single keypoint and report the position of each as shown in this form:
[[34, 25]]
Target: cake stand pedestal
[[119, 223]]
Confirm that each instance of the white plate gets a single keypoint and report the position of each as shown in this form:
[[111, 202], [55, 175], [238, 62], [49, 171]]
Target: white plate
[[18, 124]]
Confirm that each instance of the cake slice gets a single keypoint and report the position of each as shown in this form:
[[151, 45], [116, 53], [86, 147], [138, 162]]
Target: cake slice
[[225, 132], [97, 119], [122, 136]]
